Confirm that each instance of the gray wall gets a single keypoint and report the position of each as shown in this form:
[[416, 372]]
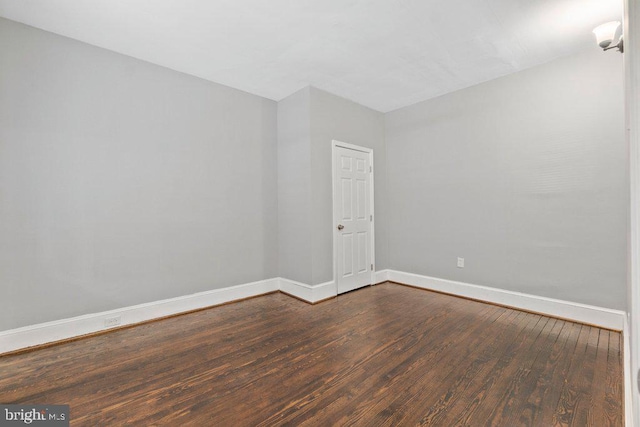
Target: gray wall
[[294, 187], [524, 176], [308, 121], [122, 182], [336, 118]]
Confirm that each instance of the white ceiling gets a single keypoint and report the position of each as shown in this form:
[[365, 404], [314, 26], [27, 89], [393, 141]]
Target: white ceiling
[[384, 54]]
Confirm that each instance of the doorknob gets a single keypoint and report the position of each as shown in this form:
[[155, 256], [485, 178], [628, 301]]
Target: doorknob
[[340, 226]]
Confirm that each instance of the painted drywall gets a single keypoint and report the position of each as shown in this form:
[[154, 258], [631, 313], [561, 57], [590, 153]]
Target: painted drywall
[[335, 118], [525, 177], [122, 182], [308, 122], [294, 187]]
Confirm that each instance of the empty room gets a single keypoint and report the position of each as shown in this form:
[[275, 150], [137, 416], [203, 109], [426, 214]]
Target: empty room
[[373, 213]]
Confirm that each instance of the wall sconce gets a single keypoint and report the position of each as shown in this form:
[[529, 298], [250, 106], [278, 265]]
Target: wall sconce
[[605, 34]]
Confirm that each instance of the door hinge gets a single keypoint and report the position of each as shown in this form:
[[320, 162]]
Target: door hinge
[[370, 168], [370, 217], [371, 267]]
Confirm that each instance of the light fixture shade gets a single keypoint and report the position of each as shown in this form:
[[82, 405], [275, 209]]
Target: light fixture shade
[[606, 32]]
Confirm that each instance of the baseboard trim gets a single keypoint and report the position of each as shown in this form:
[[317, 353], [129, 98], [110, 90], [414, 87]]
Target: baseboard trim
[[66, 329], [380, 276], [62, 330], [309, 293], [576, 312], [628, 374]]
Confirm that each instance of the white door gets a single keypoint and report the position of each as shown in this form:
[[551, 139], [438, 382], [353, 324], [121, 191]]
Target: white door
[[353, 217]]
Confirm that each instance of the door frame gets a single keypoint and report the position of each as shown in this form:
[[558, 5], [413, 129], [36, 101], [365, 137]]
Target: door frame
[[334, 191], [632, 121]]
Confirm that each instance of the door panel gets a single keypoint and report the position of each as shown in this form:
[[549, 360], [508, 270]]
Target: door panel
[[352, 199], [346, 199], [362, 252], [361, 199]]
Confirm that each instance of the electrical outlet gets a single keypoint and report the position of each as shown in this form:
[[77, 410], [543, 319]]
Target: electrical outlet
[[110, 322], [460, 262]]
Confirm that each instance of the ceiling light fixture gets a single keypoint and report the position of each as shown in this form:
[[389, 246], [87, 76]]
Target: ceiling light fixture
[[606, 33]]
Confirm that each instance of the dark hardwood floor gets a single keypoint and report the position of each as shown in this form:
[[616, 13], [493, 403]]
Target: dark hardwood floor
[[383, 355]]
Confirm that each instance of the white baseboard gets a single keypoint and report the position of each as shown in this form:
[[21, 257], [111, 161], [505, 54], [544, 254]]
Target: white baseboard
[[308, 293], [380, 276], [583, 313], [43, 333], [315, 293], [628, 375]]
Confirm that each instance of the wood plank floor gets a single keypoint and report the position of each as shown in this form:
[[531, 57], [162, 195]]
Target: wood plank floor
[[383, 355]]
